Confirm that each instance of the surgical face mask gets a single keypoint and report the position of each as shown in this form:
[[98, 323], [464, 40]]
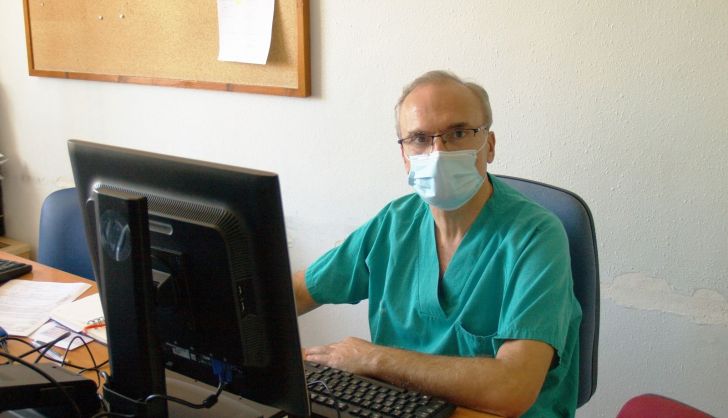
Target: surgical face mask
[[445, 179]]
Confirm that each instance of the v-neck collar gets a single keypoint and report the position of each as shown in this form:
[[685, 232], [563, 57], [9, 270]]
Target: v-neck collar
[[428, 264]]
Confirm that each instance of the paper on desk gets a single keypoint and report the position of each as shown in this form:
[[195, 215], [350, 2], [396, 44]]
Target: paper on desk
[[26, 305], [245, 28], [52, 330], [80, 313]]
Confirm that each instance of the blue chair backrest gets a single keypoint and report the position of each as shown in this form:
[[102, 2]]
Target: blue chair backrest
[[62, 238], [579, 225]]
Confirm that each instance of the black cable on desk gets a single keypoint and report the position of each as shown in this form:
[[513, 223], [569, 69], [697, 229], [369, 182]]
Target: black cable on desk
[[85, 344], [47, 346], [208, 402]]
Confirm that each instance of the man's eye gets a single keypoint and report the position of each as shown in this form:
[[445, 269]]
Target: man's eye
[[459, 134], [420, 139]]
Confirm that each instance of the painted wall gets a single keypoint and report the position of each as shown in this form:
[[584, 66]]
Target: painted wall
[[623, 102]]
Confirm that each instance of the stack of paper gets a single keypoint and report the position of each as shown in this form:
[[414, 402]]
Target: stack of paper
[[26, 305], [80, 314]]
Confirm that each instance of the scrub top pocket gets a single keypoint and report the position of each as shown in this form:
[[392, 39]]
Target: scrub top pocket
[[473, 345]]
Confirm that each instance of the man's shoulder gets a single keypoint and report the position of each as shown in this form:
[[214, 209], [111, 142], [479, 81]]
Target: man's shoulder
[[398, 213], [406, 206], [518, 210]]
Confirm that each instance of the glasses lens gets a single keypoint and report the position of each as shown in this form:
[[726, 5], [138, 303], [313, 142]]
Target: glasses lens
[[459, 139], [417, 144]]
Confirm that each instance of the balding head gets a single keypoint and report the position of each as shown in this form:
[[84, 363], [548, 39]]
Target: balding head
[[444, 77]]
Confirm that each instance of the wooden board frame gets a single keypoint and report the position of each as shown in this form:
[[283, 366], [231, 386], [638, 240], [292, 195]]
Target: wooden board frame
[[75, 48]]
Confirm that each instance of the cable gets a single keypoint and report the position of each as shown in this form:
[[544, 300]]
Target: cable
[[331, 395], [85, 344], [34, 349], [220, 369], [8, 338], [47, 346], [112, 414], [4, 343], [48, 377], [208, 402], [21, 340], [95, 368]]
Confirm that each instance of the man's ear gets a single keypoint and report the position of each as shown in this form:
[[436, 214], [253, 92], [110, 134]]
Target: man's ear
[[490, 156]]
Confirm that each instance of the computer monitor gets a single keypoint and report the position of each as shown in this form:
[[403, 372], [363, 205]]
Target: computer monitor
[[192, 265]]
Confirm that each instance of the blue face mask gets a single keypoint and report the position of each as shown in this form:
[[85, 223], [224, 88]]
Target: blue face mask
[[445, 179]]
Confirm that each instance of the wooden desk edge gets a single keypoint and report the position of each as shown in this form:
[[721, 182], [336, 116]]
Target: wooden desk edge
[[48, 274], [43, 273]]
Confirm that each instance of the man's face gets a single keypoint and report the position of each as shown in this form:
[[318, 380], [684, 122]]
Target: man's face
[[438, 107]]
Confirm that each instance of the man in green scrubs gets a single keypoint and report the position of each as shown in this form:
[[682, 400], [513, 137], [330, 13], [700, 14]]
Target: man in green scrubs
[[469, 283]]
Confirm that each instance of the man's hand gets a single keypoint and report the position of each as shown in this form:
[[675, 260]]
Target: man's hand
[[351, 354], [506, 385]]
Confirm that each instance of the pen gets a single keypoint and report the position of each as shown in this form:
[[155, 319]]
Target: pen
[[50, 352], [92, 326]]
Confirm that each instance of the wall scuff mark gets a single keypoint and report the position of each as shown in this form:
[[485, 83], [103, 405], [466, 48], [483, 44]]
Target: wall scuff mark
[[636, 290]]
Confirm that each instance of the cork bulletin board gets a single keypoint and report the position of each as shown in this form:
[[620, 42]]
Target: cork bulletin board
[[162, 42]]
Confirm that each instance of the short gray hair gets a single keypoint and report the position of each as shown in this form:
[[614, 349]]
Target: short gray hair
[[440, 76]]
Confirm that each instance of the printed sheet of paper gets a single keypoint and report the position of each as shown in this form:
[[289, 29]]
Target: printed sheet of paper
[[52, 330], [26, 305], [245, 28]]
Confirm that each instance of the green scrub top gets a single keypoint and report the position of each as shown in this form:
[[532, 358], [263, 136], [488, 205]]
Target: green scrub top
[[510, 278]]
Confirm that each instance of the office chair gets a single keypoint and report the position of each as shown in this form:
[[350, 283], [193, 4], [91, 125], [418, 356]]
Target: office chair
[[62, 238], [656, 406], [579, 225]]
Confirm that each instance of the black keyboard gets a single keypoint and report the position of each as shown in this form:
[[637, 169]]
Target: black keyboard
[[335, 392], [12, 269]]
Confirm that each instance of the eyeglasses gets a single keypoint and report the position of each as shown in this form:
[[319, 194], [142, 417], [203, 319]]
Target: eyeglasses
[[454, 140]]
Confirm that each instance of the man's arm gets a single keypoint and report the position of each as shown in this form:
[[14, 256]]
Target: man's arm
[[506, 385], [304, 301]]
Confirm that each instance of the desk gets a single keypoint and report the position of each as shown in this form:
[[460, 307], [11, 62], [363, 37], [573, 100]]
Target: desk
[[80, 356], [44, 273]]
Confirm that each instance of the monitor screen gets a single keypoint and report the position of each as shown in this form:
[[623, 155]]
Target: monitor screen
[[205, 271]]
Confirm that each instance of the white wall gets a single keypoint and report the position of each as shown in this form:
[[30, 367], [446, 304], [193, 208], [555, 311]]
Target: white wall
[[622, 102]]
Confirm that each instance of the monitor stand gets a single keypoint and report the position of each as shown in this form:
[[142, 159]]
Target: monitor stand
[[228, 405], [179, 386]]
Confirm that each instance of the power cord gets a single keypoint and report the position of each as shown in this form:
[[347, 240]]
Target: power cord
[[47, 346], [220, 369], [208, 402]]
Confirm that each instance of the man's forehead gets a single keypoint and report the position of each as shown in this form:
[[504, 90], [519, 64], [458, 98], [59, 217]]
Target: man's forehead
[[439, 89], [447, 100]]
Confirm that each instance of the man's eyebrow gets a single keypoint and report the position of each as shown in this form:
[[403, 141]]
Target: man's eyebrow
[[457, 125], [449, 127]]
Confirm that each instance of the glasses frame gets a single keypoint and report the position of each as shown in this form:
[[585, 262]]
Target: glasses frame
[[402, 141]]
